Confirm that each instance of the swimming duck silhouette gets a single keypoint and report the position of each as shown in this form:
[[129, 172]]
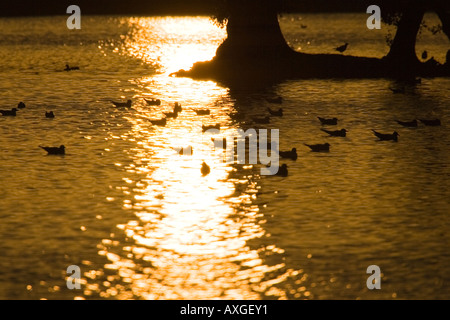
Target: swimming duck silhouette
[[214, 126], [177, 107], [261, 120], [277, 113], [410, 124], [153, 102], [237, 116], [173, 114], [277, 100], [122, 104], [424, 55], [49, 114], [319, 147], [282, 171], [324, 121], [10, 113], [342, 48], [71, 68], [21, 105], [432, 122], [159, 122], [205, 169], [55, 150], [289, 154], [387, 136], [186, 151], [219, 143], [336, 133], [201, 112], [398, 90]]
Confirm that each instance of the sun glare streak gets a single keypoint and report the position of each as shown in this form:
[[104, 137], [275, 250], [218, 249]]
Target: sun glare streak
[[186, 41], [190, 239]]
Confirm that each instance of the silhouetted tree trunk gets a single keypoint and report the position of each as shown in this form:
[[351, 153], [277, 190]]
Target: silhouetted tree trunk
[[402, 55], [444, 16], [253, 32]]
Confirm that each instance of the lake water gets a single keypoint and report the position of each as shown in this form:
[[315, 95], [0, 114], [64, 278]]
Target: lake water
[[141, 221]]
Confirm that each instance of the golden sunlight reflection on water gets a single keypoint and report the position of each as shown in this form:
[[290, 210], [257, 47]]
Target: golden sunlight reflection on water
[[189, 238]]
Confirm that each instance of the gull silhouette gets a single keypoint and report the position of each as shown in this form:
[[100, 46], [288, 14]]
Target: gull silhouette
[[336, 133], [214, 126], [277, 113], [205, 169], [410, 124], [342, 48], [387, 136], [11, 112], [282, 171], [122, 104], [289, 154], [324, 121], [153, 102], [55, 150], [202, 111], [49, 114], [319, 147], [159, 122], [433, 122]]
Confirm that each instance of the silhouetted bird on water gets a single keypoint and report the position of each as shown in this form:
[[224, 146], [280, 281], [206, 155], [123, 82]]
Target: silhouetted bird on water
[[201, 112], [282, 171], [237, 116], [122, 104], [153, 102], [289, 154], [277, 100], [432, 123], [214, 126], [424, 55], [277, 113], [324, 121], [398, 90], [11, 112], [177, 107], [71, 68], [49, 114], [187, 151], [205, 169], [264, 120], [410, 124], [342, 48], [21, 105], [159, 122], [387, 136], [318, 147], [55, 150], [173, 114], [219, 143], [336, 133]]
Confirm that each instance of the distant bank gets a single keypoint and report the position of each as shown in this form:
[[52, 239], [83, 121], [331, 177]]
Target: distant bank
[[10, 8]]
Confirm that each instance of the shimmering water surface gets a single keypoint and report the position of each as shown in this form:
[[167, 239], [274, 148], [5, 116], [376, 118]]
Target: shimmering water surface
[[143, 223]]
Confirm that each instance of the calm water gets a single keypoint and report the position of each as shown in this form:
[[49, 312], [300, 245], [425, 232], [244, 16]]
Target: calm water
[[143, 223]]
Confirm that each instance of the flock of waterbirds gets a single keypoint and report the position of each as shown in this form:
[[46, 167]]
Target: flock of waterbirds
[[205, 169], [290, 154]]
